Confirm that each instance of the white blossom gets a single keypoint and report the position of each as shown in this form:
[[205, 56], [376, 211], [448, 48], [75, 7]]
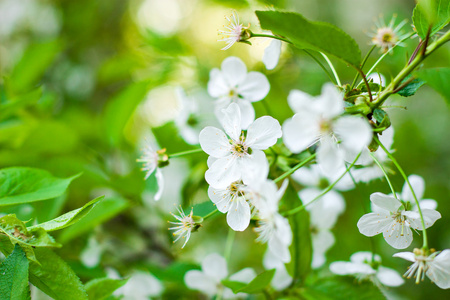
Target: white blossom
[[362, 266], [387, 36], [185, 225], [140, 285], [418, 185], [232, 84], [272, 54], [233, 32], [281, 278], [394, 221], [319, 120], [435, 265], [151, 159], [235, 152]]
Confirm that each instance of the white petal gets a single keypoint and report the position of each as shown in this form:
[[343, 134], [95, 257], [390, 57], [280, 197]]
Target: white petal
[[142, 285], [355, 133], [215, 266], [331, 101], [299, 101], [439, 269], [223, 172], [301, 131], [210, 161], [363, 257], [309, 176], [406, 255], [428, 204], [430, 216], [263, 133], [217, 85], [398, 236], [281, 279], [348, 268], [234, 70], [245, 275], [418, 184], [284, 232], [90, 256], [247, 113], [238, 217], [321, 242], [386, 202], [197, 280], [255, 87], [214, 142], [374, 223], [279, 249], [221, 198], [389, 277], [377, 78], [329, 156], [231, 121], [272, 54], [255, 169], [160, 182]]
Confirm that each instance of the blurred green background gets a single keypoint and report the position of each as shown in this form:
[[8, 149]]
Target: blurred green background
[[94, 78]]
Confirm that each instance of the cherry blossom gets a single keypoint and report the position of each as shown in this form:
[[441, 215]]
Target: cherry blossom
[[184, 226], [151, 160], [233, 32]]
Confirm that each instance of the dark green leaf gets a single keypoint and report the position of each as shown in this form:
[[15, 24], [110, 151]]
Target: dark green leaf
[[305, 34], [14, 276], [382, 118], [438, 79], [55, 278], [69, 218], [435, 13], [23, 185], [102, 288], [341, 288], [411, 88]]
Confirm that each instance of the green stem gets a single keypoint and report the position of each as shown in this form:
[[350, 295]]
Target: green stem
[[321, 65], [385, 174], [269, 36], [329, 188], [298, 166], [229, 244], [362, 66], [391, 157], [210, 214], [185, 153], [338, 81]]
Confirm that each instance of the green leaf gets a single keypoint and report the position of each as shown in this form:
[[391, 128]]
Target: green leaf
[[438, 79], [301, 247], [69, 218], [12, 106], [102, 288], [382, 118], [23, 185], [55, 278], [18, 233], [120, 108], [14, 276], [434, 13], [411, 88], [341, 288], [234, 285], [103, 211], [259, 283], [318, 36]]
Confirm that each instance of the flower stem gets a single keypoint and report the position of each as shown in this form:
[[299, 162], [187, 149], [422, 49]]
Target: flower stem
[[321, 65], [362, 66], [338, 81], [392, 158], [385, 174], [210, 214], [185, 153], [295, 168], [329, 188], [229, 244], [269, 36]]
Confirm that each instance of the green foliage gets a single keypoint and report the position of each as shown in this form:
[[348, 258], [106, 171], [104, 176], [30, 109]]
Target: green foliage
[[341, 288], [23, 185], [102, 288], [305, 34], [69, 218], [257, 285], [411, 88], [55, 278], [438, 79], [14, 276], [11, 106], [431, 13], [382, 118]]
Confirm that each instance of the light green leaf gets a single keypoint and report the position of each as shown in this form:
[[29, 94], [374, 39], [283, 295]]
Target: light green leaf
[[22, 185], [435, 13], [55, 278], [341, 288], [102, 288], [103, 211], [14, 276], [12, 106], [69, 218], [438, 79], [259, 283], [305, 34]]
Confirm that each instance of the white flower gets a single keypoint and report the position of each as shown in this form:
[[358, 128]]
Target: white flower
[[281, 279], [91, 255], [323, 216], [394, 221], [377, 78], [272, 54], [214, 270], [235, 152], [387, 36], [233, 32], [273, 228], [151, 160], [184, 226], [140, 285], [362, 266], [232, 84], [319, 120], [418, 185], [435, 265], [195, 114], [314, 176]]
